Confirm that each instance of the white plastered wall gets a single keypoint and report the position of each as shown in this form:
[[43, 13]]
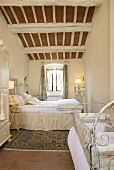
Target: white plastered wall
[[75, 69], [111, 49], [97, 57], [18, 62]]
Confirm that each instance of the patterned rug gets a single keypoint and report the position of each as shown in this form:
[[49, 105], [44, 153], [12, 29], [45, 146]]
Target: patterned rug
[[39, 140]]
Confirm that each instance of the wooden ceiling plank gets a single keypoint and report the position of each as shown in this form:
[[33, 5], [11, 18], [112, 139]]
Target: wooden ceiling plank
[[85, 16], [54, 49], [25, 17], [40, 39], [25, 40], [48, 39], [8, 18], [15, 16], [44, 14], [49, 27], [63, 39], [72, 39], [64, 15], [54, 17], [32, 39], [34, 14], [75, 14], [52, 2]]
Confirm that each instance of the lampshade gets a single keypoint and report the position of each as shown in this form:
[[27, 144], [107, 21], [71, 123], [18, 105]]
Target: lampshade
[[78, 81], [11, 84]]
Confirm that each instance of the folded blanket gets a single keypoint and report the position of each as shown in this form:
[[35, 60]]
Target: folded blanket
[[68, 104]]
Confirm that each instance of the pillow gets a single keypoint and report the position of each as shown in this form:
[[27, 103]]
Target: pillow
[[11, 99], [33, 100], [26, 97], [18, 100]]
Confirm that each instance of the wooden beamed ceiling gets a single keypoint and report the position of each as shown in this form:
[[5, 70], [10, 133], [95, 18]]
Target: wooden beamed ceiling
[[50, 32]]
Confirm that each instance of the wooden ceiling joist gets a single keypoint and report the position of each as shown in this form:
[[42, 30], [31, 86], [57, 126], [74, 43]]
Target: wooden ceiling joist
[[54, 49], [51, 2], [49, 28]]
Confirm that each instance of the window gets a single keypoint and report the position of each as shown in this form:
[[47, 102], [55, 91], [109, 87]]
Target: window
[[54, 78]]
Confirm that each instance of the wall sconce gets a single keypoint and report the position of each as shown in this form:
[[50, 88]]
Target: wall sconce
[[11, 84], [78, 81]]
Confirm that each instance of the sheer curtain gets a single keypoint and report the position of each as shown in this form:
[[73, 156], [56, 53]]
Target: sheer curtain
[[65, 82], [43, 84]]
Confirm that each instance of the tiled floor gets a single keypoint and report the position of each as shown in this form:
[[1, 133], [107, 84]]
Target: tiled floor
[[34, 160]]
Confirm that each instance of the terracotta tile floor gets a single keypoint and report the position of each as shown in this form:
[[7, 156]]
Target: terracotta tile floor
[[34, 160]]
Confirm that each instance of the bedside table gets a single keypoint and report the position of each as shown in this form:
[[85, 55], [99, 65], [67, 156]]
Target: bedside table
[[12, 109]]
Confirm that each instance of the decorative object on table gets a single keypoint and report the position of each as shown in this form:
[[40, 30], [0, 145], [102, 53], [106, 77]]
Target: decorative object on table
[[40, 140]]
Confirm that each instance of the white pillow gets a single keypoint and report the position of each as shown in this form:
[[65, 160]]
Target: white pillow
[[18, 100], [33, 100], [26, 97], [11, 99]]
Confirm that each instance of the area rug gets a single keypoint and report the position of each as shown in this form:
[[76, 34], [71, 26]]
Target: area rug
[[39, 140]]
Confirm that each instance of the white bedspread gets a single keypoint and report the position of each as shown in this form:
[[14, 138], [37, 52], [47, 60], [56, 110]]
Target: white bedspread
[[45, 107], [78, 156]]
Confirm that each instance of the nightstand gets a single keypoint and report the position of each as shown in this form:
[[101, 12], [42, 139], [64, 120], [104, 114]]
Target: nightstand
[[12, 109]]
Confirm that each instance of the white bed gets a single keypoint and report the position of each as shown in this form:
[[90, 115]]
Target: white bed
[[46, 115]]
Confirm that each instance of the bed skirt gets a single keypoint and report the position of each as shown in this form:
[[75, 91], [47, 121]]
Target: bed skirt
[[46, 122]]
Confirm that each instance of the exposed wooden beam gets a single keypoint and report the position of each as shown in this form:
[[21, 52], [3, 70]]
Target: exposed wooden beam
[[25, 40], [50, 28], [63, 38], [38, 56], [40, 39], [54, 49], [52, 2], [8, 18], [15, 16], [64, 15], [25, 17], [34, 13], [32, 39], [64, 55], [54, 18], [75, 14], [44, 15]]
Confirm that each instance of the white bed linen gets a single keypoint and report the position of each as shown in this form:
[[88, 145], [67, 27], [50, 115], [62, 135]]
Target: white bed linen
[[76, 150], [45, 107]]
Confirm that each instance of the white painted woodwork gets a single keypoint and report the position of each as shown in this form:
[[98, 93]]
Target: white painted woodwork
[[64, 15], [63, 38], [40, 39], [55, 39], [38, 56], [64, 55], [48, 39], [75, 14], [50, 27], [54, 49], [72, 39], [54, 18], [32, 40], [34, 14], [85, 16], [4, 94], [44, 15], [51, 2]]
